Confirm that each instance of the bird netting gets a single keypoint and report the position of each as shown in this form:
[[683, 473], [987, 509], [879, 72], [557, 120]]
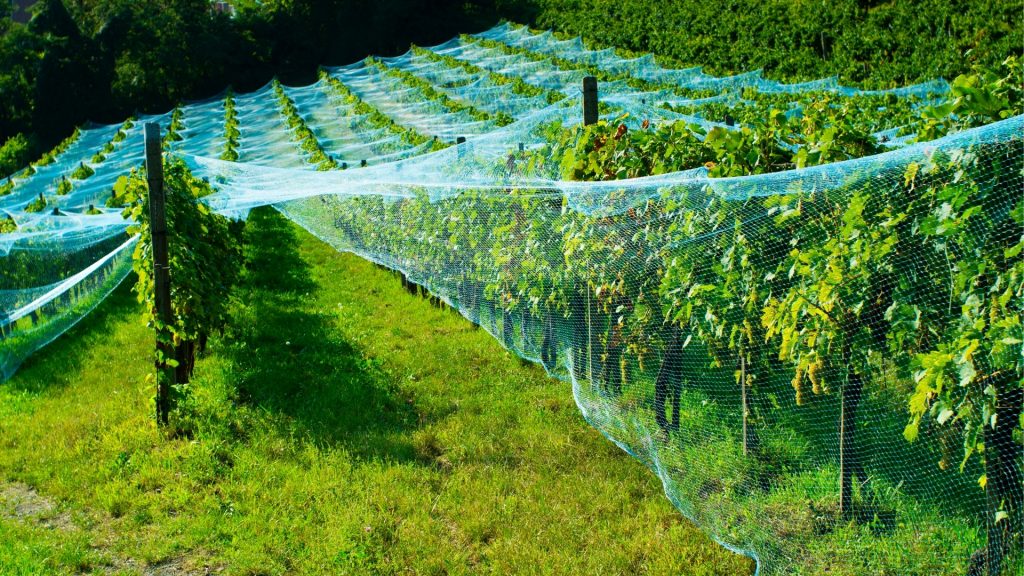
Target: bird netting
[[818, 354]]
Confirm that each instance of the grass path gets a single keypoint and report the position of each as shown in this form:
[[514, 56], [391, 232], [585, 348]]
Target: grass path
[[342, 427]]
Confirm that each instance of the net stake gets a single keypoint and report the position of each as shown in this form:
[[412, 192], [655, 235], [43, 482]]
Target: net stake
[[589, 100], [161, 267]]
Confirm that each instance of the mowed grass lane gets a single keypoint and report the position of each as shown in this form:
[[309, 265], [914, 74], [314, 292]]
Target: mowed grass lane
[[341, 426]]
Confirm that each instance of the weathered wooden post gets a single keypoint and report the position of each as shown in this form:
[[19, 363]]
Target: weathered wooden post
[[589, 100], [161, 269]]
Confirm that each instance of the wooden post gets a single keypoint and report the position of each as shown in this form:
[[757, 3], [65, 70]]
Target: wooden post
[[1004, 491], [850, 465], [589, 100], [743, 395], [161, 268]]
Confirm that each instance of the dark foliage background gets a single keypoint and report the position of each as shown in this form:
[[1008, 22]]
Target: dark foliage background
[[876, 43], [101, 60]]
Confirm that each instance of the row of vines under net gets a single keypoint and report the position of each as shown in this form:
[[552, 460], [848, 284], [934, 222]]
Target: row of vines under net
[[821, 360]]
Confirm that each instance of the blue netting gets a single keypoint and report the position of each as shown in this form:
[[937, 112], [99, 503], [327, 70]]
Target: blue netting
[[608, 284]]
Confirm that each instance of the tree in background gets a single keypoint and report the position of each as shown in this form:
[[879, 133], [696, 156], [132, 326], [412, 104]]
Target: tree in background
[[102, 60]]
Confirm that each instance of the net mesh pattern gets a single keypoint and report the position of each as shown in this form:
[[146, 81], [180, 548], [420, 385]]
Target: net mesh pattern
[[754, 340]]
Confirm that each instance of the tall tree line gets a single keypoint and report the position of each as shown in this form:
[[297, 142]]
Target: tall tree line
[[100, 60]]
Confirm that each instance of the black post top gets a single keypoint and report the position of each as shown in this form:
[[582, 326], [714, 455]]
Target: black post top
[[589, 100]]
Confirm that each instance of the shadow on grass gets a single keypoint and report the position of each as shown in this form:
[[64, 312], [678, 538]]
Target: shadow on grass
[[290, 358]]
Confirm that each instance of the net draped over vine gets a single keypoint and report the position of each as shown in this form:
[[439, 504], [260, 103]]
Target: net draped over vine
[[755, 341]]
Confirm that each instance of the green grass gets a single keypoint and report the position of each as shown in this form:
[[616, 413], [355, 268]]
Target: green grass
[[341, 426], [28, 551]]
